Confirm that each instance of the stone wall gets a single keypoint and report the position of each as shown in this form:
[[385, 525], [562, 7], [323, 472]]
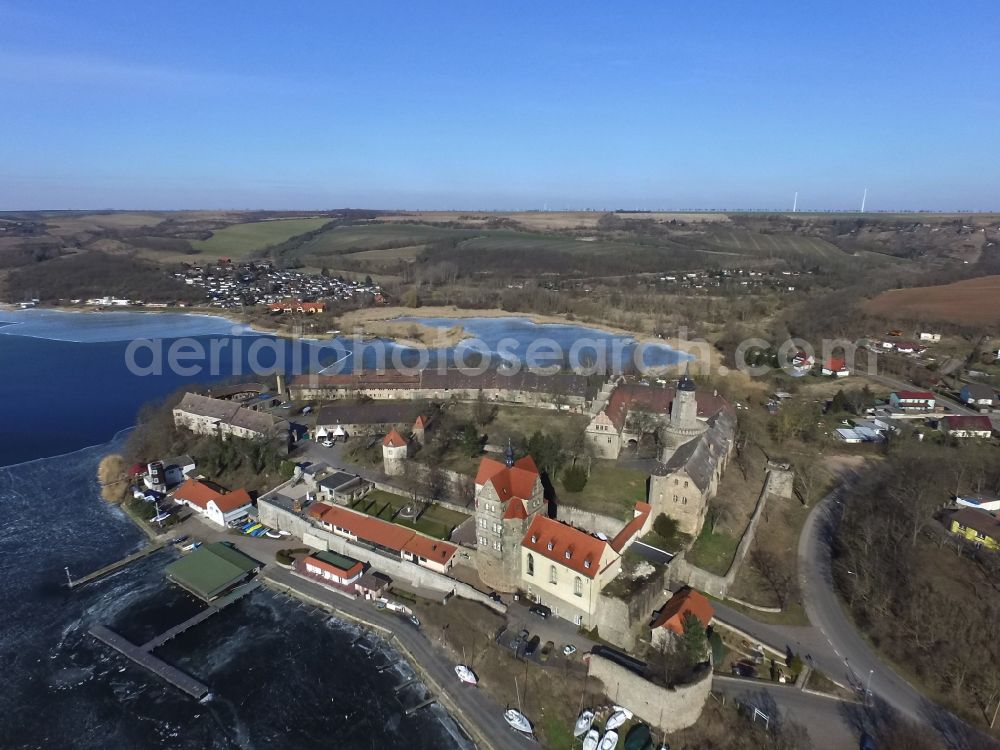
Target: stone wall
[[664, 709], [621, 622], [283, 520], [588, 521]]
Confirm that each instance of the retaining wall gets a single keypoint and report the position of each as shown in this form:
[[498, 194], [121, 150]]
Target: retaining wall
[[664, 709], [588, 521], [620, 622]]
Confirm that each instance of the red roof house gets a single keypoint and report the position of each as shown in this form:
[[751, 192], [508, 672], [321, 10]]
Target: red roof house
[[685, 600]]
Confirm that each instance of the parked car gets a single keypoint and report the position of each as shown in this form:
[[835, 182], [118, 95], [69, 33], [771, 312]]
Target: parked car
[[494, 595], [519, 640], [742, 669], [532, 646], [546, 651], [541, 610], [569, 649], [327, 443], [414, 620]]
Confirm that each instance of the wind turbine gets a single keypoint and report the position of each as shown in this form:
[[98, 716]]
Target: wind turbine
[[863, 199], [795, 202]]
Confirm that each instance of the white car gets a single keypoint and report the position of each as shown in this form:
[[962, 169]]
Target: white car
[[569, 649], [327, 443]]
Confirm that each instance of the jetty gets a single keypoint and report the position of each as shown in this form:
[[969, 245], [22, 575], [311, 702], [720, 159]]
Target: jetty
[[118, 564], [423, 704], [143, 656]]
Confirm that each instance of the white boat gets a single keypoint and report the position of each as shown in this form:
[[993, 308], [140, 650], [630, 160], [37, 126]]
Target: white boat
[[272, 535], [628, 714], [610, 741], [284, 533], [592, 739], [466, 675], [518, 720], [583, 722], [619, 717]]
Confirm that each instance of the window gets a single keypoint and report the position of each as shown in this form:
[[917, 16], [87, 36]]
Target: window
[[496, 546], [553, 574], [531, 564], [482, 523], [578, 586], [677, 482], [685, 485], [684, 501], [675, 498], [482, 540]]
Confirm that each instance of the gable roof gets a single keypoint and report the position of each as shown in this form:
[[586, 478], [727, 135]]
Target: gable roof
[[204, 406], [584, 551], [683, 601], [835, 364], [655, 400], [914, 395], [623, 537], [199, 493], [979, 391], [978, 520], [394, 439], [518, 481], [964, 422]]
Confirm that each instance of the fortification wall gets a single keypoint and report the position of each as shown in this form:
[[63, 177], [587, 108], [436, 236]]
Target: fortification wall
[[589, 521], [621, 622], [664, 709]]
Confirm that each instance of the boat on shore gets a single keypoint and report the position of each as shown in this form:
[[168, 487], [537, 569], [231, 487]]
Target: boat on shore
[[610, 741], [619, 717], [583, 723], [466, 675], [639, 738], [518, 720], [591, 741]]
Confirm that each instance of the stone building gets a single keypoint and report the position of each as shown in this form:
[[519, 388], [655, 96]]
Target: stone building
[[508, 496], [394, 451], [204, 415], [693, 455], [349, 418]]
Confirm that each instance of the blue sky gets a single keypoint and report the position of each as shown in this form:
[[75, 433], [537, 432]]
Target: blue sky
[[474, 105]]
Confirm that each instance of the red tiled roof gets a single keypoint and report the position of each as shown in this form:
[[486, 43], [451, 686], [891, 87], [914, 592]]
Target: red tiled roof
[[382, 533], [686, 600], [585, 551], [430, 549], [420, 421], [394, 439], [655, 400], [337, 571], [642, 511], [198, 493], [515, 509], [963, 422], [915, 395], [835, 364], [517, 481]]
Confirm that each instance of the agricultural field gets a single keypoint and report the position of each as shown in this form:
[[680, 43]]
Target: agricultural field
[[969, 301], [351, 239], [786, 246], [240, 240]]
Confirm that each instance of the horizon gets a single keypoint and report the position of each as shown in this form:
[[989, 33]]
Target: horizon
[[519, 108]]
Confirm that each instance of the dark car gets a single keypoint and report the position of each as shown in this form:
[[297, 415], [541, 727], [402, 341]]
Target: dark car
[[519, 640], [541, 610], [742, 669], [532, 646], [495, 596]]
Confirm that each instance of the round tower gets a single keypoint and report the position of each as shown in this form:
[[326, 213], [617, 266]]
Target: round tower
[[394, 450]]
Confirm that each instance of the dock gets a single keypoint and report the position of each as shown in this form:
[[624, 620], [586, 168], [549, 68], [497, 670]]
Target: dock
[[157, 666], [118, 564], [423, 704], [142, 655]]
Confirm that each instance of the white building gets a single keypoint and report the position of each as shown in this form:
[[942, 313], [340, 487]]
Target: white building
[[216, 505]]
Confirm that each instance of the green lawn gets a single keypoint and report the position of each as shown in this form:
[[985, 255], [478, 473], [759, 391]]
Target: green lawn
[[240, 240], [435, 521], [611, 490], [713, 552]]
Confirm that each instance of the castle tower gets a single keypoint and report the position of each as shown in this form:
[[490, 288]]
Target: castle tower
[[683, 425], [508, 496], [394, 450]]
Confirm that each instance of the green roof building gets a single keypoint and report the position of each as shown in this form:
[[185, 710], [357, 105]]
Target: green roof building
[[212, 570]]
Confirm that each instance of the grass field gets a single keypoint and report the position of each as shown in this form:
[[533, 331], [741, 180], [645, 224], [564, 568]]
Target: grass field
[[611, 490], [968, 301], [713, 552], [435, 521], [239, 240]]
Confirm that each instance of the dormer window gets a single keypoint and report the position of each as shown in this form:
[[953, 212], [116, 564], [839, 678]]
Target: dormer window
[[534, 538], [586, 563], [549, 546], [568, 554]]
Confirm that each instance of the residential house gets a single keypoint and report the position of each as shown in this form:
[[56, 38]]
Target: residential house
[[979, 396], [669, 621], [836, 367], [213, 502], [332, 567], [989, 503], [962, 426], [912, 401], [977, 526], [566, 569]]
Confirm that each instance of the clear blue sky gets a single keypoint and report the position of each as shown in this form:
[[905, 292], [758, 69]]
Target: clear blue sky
[[500, 105]]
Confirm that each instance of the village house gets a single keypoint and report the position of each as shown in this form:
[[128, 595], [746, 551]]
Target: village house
[[962, 426], [212, 502], [990, 503], [977, 526], [835, 367], [912, 401], [979, 396], [334, 568], [668, 623]]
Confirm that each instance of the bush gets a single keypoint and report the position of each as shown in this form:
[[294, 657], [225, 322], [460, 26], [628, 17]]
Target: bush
[[665, 526], [574, 478]]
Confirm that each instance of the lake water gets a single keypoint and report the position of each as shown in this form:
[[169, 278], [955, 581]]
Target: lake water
[[282, 676]]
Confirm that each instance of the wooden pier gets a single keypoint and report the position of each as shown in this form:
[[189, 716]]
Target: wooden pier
[[423, 704], [118, 564], [142, 655], [157, 666]]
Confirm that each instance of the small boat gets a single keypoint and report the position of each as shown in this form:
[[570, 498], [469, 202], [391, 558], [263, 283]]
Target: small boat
[[618, 718], [583, 722], [518, 720], [466, 675], [284, 533], [592, 739], [189, 547], [610, 741], [272, 535], [639, 738]]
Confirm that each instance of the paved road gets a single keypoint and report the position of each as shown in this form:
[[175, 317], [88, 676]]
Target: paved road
[[824, 718], [475, 707], [896, 384]]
